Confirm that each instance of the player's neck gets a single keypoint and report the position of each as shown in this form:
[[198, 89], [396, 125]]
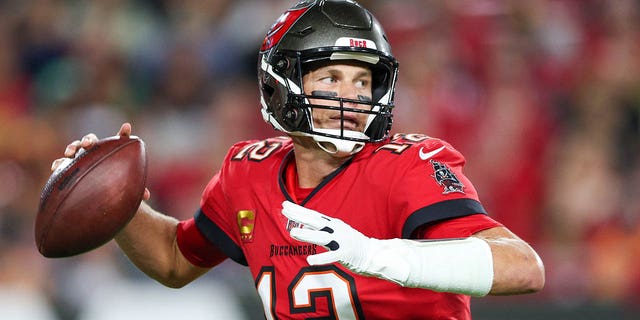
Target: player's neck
[[314, 164]]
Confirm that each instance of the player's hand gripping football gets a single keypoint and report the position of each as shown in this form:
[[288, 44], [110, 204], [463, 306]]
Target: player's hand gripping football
[[345, 244], [76, 147]]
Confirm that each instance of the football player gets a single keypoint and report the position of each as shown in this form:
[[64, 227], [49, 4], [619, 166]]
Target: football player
[[338, 220]]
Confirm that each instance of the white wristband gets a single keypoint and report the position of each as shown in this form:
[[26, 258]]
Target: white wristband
[[459, 265]]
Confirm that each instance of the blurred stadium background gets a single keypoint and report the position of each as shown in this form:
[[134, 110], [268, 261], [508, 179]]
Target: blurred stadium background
[[542, 97]]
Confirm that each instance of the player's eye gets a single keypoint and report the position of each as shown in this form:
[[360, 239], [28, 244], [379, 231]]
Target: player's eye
[[362, 84], [328, 80]]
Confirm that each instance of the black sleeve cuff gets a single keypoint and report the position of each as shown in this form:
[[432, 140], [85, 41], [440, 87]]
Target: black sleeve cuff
[[215, 235], [441, 211]]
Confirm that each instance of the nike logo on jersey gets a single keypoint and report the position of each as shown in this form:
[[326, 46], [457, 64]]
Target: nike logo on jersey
[[427, 155]]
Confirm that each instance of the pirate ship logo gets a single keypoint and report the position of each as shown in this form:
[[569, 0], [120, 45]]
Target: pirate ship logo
[[445, 178]]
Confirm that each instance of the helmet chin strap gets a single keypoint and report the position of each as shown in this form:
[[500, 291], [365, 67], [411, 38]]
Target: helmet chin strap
[[339, 147]]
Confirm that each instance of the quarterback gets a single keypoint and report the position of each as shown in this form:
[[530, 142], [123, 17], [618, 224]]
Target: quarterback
[[337, 218]]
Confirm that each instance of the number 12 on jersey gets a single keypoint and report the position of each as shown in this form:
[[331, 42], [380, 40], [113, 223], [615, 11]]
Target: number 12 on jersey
[[310, 286]]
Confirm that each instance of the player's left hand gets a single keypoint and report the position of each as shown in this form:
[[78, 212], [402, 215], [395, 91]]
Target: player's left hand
[[345, 244]]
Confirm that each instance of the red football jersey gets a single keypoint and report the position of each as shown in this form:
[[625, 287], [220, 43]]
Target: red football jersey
[[394, 189]]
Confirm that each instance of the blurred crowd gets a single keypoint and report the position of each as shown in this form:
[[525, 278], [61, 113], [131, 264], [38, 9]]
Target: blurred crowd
[[542, 97]]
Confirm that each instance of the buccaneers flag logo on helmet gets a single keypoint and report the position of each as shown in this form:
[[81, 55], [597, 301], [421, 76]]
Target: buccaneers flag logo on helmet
[[280, 27]]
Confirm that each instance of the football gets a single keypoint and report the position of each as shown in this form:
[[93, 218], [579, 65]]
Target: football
[[90, 198]]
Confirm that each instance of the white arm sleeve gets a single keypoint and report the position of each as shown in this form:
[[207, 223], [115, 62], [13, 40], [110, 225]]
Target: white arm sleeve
[[459, 265]]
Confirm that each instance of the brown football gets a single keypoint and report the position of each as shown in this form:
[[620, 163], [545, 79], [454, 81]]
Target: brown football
[[89, 199]]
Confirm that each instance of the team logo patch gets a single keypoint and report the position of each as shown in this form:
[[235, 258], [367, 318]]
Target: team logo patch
[[246, 223], [445, 178], [292, 224]]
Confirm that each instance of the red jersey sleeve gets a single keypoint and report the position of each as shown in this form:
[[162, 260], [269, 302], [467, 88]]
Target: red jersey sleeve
[[462, 227], [430, 186], [195, 247]]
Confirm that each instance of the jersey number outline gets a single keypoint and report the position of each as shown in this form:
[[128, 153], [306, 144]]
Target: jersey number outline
[[257, 151], [310, 284], [396, 146]]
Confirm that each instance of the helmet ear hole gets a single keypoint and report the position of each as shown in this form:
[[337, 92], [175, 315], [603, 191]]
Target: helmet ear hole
[[269, 90]]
